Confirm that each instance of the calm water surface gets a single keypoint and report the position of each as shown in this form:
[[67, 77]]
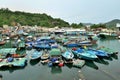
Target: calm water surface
[[101, 69]]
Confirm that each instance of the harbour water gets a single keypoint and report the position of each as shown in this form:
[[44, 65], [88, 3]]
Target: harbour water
[[101, 69]]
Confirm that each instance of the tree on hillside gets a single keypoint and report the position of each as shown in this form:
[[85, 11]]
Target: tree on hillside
[[98, 26], [31, 19], [74, 25]]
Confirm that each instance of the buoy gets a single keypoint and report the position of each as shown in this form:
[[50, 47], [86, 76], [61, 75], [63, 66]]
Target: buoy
[[9, 59], [61, 64], [85, 47]]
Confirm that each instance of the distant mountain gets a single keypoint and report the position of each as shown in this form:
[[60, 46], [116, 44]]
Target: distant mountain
[[112, 23], [87, 24]]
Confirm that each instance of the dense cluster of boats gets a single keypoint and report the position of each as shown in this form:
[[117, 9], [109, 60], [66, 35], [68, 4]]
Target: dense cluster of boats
[[52, 51], [56, 48], [9, 57]]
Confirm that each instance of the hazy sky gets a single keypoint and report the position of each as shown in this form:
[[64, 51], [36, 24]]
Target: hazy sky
[[72, 11]]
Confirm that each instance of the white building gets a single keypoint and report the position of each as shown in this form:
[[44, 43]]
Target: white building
[[118, 26]]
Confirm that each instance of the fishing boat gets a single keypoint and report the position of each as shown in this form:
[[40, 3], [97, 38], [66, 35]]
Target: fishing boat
[[36, 54], [81, 53], [68, 57], [85, 43], [14, 55], [45, 55], [18, 62], [99, 53], [78, 63], [55, 57], [42, 45], [71, 44], [105, 35], [68, 54], [54, 45], [46, 39], [108, 50]]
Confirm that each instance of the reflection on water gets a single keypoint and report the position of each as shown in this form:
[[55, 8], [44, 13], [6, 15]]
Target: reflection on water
[[108, 58], [69, 65], [115, 56], [34, 62], [95, 45], [56, 69], [102, 61], [118, 40], [91, 64], [112, 77], [11, 69]]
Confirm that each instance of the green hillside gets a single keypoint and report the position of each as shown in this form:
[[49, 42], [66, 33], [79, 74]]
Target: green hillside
[[11, 18], [112, 24]]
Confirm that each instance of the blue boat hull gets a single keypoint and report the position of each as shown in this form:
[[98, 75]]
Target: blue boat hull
[[42, 47], [36, 55], [99, 53], [72, 45], [80, 53]]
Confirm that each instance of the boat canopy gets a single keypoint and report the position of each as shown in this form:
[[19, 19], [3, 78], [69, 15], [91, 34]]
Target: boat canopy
[[55, 52], [8, 50], [45, 38]]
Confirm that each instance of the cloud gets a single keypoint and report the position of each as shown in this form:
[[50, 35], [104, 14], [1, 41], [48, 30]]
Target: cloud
[[69, 10]]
